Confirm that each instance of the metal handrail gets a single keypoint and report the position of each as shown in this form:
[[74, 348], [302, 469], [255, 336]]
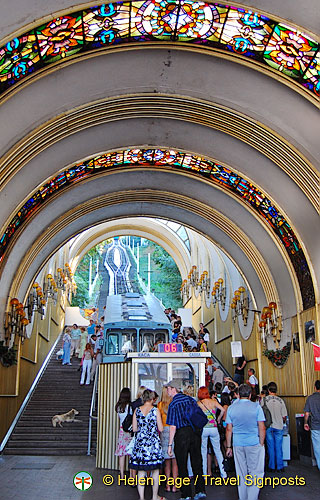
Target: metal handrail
[[92, 409], [28, 396]]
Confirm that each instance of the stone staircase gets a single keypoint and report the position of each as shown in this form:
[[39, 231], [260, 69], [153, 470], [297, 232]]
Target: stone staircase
[[57, 392]]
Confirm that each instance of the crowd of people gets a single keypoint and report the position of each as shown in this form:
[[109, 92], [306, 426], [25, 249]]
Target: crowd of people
[[86, 345], [190, 340], [238, 421]]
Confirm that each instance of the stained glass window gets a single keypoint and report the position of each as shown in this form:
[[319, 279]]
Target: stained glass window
[[237, 30], [213, 171]]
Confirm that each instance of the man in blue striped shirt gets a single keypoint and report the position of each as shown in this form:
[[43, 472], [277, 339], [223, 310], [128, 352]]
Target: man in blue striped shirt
[[186, 441]]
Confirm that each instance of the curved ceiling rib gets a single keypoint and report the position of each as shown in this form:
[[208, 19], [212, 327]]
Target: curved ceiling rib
[[241, 188], [248, 37], [215, 116]]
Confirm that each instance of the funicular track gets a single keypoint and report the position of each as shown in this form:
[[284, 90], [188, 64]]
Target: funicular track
[[120, 271]]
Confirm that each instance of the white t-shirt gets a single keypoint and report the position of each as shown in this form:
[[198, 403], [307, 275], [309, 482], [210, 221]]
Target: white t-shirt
[[253, 380], [123, 415], [206, 337]]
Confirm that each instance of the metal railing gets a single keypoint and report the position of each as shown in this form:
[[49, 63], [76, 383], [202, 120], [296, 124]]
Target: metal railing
[[28, 396], [92, 409]]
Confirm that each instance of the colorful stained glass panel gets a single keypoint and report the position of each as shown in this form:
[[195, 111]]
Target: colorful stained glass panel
[[289, 51], [312, 75], [246, 32], [60, 38], [107, 24], [18, 58]]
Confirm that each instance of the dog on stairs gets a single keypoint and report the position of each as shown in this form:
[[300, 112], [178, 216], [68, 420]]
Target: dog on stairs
[[65, 417]]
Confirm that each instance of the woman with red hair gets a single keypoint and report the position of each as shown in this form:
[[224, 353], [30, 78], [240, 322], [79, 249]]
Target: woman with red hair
[[210, 431]]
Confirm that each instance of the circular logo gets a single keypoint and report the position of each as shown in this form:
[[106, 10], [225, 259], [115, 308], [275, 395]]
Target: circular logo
[[82, 480]]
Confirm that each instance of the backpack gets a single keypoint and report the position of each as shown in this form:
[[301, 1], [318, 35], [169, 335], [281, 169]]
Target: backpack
[[127, 423], [197, 418], [267, 415]]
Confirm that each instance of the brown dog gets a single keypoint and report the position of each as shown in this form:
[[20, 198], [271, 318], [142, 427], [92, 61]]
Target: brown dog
[[65, 417]]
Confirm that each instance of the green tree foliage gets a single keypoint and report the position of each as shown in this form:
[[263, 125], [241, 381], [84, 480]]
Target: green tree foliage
[[165, 275], [82, 276]]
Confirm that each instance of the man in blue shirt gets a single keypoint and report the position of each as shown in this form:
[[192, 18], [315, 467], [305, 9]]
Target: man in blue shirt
[[75, 340], [245, 423], [91, 328], [186, 441]]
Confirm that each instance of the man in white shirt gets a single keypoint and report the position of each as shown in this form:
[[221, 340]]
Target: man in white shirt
[[191, 342], [253, 381], [217, 375]]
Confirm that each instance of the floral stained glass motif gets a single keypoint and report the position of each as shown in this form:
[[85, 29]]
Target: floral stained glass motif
[[289, 51], [237, 30], [60, 38], [165, 158]]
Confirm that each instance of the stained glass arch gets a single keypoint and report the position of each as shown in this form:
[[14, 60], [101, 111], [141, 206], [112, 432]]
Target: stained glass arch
[[214, 172], [246, 35]]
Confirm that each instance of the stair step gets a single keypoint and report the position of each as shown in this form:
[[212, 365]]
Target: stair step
[[46, 430], [58, 436], [66, 443], [45, 452], [57, 392]]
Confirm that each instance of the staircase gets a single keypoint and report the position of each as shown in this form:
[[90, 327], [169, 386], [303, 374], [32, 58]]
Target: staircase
[[57, 392]]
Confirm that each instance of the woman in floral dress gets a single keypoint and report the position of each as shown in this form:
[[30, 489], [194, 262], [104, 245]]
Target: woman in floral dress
[[147, 453]]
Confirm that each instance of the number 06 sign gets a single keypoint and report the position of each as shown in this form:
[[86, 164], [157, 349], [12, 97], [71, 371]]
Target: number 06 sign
[[168, 348]]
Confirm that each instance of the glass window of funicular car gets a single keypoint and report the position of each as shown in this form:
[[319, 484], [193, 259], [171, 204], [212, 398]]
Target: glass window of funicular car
[[121, 341], [148, 338]]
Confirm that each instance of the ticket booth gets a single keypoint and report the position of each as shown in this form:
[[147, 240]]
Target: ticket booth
[[151, 369], [155, 369]]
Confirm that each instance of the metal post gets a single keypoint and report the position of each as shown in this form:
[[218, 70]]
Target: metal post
[[90, 275], [138, 256], [149, 271]]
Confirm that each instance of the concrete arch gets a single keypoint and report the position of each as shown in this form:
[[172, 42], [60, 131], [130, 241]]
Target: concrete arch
[[189, 213], [42, 61]]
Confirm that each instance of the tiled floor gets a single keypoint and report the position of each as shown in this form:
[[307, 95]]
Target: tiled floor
[[51, 478]]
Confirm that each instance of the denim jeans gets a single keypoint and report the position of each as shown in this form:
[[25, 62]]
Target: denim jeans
[[274, 438], [315, 436], [66, 353]]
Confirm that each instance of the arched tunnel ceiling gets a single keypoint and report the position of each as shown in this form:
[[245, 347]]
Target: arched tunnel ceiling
[[33, 156]]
